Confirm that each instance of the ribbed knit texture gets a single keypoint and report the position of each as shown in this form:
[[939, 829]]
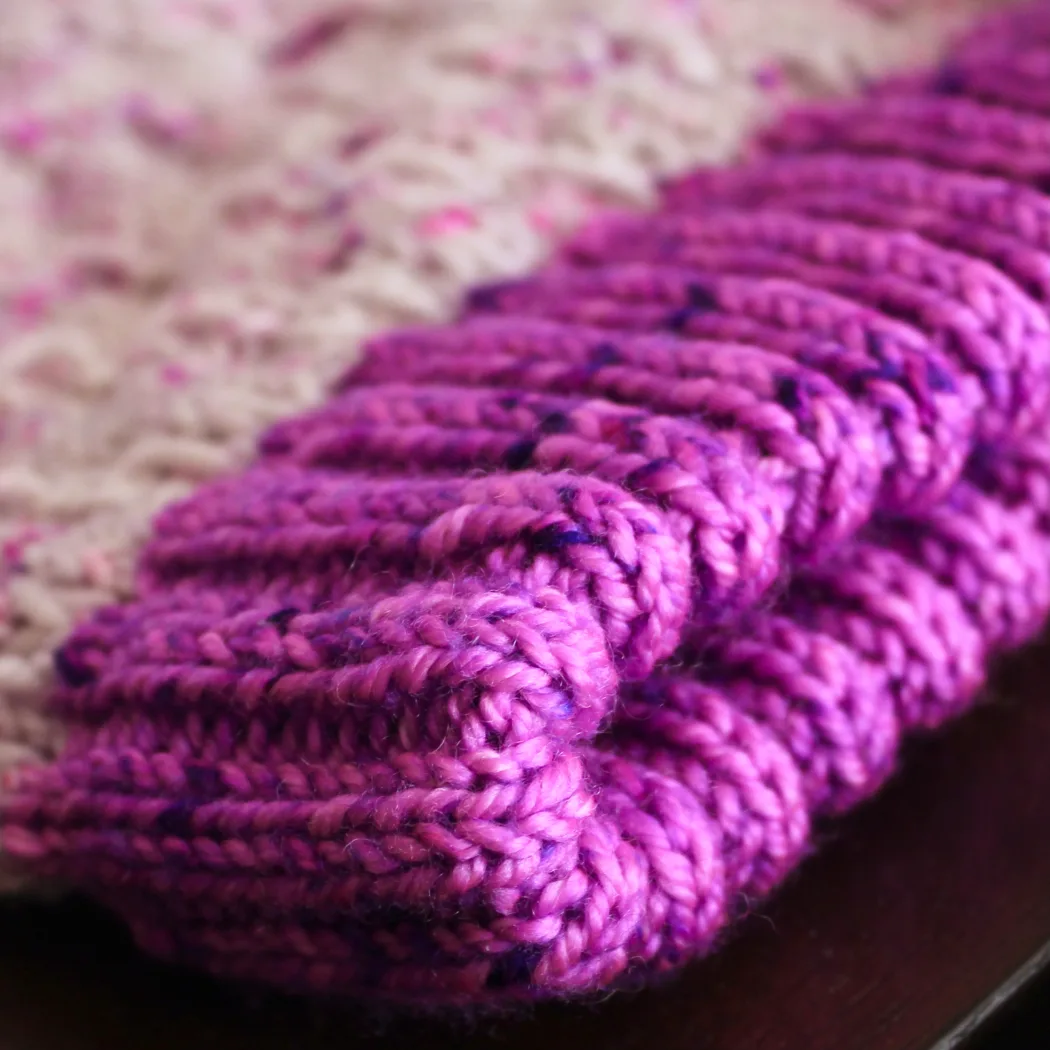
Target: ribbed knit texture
[[206, 206], [524, 663]]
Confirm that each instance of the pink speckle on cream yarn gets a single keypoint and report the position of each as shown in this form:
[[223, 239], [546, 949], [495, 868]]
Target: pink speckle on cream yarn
[[517, 665]]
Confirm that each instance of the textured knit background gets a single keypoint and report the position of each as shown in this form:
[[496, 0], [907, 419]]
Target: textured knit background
[[205, 205]]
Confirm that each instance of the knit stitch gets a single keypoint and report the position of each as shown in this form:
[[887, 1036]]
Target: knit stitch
[[523, 663]]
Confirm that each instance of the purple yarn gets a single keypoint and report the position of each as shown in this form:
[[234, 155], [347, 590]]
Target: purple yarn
[[950, 131], [526, 661], [990, 218]]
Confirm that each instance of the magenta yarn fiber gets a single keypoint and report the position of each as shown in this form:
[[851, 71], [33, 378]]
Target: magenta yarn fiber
[[520, 666]]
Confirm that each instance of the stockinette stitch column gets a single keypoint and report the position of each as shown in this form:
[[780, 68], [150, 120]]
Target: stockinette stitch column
[[521, 665]]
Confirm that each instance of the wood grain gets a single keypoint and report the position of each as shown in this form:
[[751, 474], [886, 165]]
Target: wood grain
[[902, 933]]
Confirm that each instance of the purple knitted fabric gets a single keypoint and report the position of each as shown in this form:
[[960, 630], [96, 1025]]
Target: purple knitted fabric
[[525, 663]]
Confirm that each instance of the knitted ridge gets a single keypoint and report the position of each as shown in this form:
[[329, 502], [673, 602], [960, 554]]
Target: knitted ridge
[[524, 663]]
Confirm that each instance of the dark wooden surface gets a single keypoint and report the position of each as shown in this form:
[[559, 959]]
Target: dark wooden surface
[[917, 909]]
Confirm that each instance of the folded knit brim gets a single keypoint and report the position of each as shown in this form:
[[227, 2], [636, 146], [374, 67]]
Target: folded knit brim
[[524, 664], [206, 212]]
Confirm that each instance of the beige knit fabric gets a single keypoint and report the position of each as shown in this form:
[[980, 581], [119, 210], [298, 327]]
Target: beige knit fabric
[[205, 206]]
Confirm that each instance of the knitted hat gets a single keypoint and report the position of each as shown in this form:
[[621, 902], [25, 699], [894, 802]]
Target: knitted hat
[[515, 667]]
